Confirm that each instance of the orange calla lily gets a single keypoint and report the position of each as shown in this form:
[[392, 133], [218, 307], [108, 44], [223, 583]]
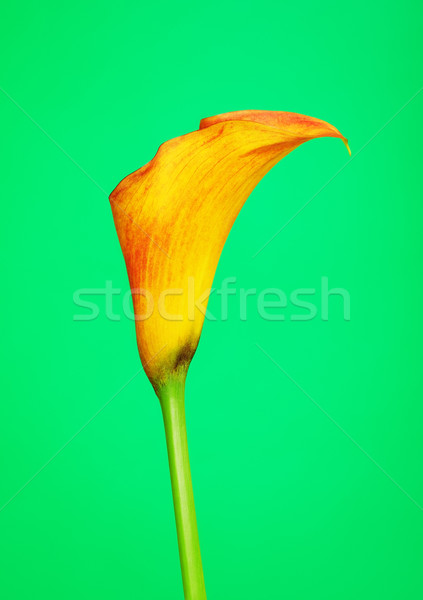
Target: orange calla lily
[[173, 216]]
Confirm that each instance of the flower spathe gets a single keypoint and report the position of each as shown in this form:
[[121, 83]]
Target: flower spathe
[[174, 214]]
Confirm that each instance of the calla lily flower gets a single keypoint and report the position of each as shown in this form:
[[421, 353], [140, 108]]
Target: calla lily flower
[[173, 216]]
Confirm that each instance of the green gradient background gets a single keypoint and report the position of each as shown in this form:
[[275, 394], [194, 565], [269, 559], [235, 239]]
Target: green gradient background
[[288, 506]]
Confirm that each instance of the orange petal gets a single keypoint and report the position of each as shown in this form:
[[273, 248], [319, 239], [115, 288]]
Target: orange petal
[[174, 214]]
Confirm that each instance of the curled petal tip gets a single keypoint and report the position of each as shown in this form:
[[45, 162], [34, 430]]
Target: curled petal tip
[[347, 145], [301, 127]]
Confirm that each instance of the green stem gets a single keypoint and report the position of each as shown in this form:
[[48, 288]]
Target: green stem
[[173, 408]]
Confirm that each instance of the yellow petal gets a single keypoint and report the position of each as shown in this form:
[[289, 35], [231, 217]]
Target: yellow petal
[[174, 214]]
